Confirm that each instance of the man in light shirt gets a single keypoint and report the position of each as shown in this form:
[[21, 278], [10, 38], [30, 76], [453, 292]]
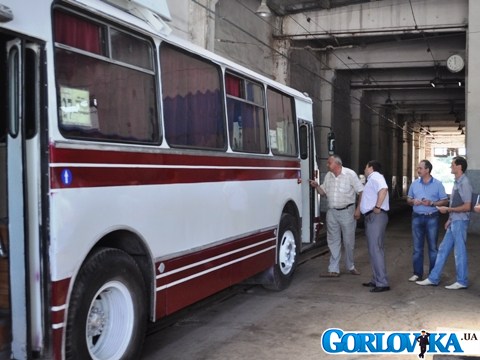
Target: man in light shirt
[[341, 186], [375, 206]]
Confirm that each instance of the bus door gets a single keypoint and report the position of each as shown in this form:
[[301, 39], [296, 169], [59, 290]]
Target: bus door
[[309, 197], [22, 110]]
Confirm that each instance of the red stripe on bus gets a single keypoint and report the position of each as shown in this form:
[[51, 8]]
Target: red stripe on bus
[[105, 173], [58, 301], [98, 177], [57, 337], [163, 157], [198, 280], [189, 292], [191, 265]]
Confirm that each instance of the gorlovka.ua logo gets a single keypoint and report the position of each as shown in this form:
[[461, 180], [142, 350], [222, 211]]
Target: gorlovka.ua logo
[[336, 341]]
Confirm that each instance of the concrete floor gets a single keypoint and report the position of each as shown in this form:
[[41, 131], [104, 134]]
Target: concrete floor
[[249, 322]]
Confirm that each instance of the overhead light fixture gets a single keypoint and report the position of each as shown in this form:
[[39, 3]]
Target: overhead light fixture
[[6, 14], [389, 100], [263, 10], [460, 127], [462, 133]]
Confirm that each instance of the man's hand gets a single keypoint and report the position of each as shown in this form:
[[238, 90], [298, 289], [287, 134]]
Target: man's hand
[[443, 209]]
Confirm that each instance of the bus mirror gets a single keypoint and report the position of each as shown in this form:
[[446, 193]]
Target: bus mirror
[[331, 143]]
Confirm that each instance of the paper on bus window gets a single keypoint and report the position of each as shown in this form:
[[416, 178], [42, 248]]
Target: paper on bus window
[[75, 107]]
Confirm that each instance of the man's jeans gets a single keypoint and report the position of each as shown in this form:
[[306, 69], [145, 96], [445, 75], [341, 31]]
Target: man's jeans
[[455, 238], [424, 227]]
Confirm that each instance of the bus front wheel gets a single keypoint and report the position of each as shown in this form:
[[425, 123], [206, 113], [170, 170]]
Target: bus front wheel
[[287, 254], [107, 312]]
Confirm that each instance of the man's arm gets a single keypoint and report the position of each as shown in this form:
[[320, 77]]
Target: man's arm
[[317, 187]]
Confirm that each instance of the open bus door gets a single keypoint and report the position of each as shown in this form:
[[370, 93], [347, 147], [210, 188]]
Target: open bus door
[[309, 196], [22, 161]]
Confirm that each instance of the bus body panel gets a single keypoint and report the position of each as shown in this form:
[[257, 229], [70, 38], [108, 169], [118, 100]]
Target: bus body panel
[[194, 205], [200, 221]]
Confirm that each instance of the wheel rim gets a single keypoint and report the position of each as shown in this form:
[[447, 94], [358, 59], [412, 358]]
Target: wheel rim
[[110, 321], [287, 253]]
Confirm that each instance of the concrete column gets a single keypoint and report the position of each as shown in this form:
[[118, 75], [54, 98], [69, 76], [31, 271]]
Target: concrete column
[[407, 160], [280, 61], [355, 109], [323, 125], [472, 116], [376, 136], [201, 25]]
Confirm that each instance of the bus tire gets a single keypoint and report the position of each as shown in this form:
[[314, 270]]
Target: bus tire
[[107, 316], [287, 254]]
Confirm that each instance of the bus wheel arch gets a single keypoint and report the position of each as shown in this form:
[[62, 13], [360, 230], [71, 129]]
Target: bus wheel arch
[[107, 313], [288, 249], [133, 245]]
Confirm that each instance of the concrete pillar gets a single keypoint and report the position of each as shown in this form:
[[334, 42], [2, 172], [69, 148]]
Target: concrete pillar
[[281, 61], [355, 109], [201, 25], [323, 125], [376, 136], [472, 116]]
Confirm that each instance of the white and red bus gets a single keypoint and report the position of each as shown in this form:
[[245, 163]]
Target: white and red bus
[[139, 174]]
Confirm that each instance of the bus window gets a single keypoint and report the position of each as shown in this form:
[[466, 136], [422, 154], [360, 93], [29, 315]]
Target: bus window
[[99, 99], [282, 124], [246, 115], [192, 100], [131, 50], [78, 33]]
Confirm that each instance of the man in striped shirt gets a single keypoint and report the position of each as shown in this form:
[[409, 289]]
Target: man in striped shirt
[[341, 186]]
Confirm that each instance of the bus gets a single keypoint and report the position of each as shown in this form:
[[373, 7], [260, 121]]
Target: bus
[[139, 174]]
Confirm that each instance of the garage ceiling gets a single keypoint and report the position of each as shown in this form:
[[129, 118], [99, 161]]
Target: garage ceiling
[[441, 109]]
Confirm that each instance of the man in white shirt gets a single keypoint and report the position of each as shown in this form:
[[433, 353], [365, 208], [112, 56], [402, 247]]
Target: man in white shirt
[[341, 186], [374, 206]]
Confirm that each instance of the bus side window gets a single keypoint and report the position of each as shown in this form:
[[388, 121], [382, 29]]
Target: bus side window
[[192, 101], [100, 99], [282, 125], [246, 115]]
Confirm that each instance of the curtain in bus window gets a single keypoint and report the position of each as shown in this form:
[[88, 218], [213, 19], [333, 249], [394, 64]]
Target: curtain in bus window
[[77, 32], [192, 101], [233, 85], [101, 100], [246, 126], [282, 124]]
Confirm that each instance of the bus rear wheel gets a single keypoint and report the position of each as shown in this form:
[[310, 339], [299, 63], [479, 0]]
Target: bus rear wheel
[[287, 253], [107, 312]]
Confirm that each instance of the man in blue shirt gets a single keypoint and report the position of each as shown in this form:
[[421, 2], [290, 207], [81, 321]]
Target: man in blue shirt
[[424, 195], [456, 229]]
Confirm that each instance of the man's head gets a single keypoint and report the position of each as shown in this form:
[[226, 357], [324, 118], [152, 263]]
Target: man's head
[[334, 164], [424, 168], [459, 165], [372, 165]]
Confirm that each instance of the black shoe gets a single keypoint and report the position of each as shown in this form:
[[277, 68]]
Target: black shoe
[[369, 284], [380, 288]]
